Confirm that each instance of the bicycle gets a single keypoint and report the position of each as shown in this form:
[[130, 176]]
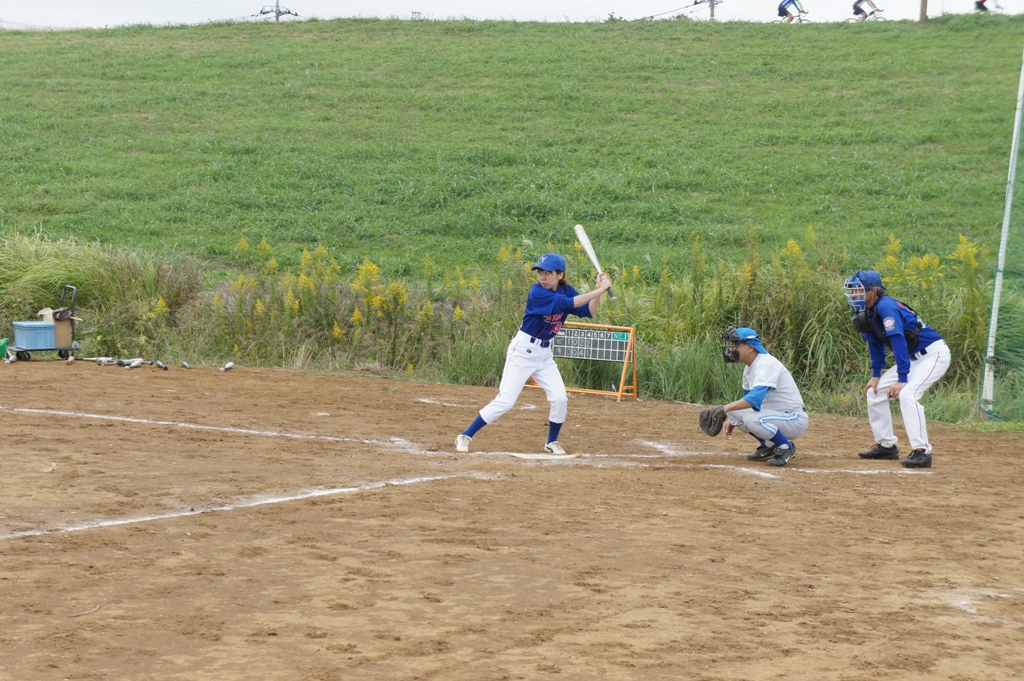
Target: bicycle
[[873, 15], [799, 18]]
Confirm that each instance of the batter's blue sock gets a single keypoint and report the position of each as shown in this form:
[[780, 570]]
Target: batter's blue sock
[[477, 424], [763, 443], [781, 440], [553, 429]]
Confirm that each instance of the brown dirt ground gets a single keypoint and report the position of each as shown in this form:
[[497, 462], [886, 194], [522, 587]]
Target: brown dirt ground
[[144, 547]]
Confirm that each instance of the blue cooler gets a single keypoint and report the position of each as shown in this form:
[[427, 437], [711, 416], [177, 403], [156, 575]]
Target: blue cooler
[[34, 335]]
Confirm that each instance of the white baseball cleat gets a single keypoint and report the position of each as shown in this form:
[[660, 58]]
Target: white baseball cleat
[[554, 448], [462, 443]]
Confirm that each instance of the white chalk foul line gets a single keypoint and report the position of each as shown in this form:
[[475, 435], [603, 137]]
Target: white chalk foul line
[[390, 442], [430, 400], [260, 501]]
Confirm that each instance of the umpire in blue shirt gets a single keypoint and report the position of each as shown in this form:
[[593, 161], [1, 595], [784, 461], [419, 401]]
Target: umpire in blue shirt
[[920, 357]]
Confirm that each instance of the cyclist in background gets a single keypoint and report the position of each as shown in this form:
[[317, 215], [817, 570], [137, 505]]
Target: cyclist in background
[[788, 9], [858, 9], [980, 6]]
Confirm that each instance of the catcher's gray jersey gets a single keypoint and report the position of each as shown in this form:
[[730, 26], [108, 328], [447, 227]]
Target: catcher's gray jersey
[[768, 371]]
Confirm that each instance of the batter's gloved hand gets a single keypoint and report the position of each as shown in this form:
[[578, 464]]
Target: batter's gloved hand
[[711, 420]]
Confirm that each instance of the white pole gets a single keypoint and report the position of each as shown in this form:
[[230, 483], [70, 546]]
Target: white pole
[[988, 384]]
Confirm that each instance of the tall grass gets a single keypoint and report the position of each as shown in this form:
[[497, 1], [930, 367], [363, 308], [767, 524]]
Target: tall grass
[[129, 299], [445, 327]]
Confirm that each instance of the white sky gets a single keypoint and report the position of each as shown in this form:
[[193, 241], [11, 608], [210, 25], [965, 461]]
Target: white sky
[[31, 14]]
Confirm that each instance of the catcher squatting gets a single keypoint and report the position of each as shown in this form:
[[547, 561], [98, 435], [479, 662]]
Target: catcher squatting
[[771, 409]]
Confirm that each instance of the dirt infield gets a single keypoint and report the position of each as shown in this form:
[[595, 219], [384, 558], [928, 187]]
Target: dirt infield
[[268, 524]]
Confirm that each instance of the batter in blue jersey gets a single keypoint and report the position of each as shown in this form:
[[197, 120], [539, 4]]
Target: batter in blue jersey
[[551, 300], [920, 357]]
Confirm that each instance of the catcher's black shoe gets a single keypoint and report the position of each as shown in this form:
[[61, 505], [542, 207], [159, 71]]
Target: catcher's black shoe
[[918, 459], [783, 455], [880, 451], [763, 453]]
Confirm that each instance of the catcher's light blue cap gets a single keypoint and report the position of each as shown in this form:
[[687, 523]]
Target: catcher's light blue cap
[[550, 262], [749, 336]]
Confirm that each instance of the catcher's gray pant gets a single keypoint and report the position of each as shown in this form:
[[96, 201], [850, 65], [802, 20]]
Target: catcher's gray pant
[[523, 360], [764, 424]]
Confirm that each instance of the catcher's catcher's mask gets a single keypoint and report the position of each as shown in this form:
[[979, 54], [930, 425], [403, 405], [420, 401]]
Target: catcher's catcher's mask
[[733, 336], [61, 314], [730, 338]]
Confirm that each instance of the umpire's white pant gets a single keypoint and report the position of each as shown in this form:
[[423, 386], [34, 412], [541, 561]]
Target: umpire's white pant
[[765, 423], [523, 360], [927, 368]]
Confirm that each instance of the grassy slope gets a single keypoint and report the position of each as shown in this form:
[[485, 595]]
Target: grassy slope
[[385, 139]]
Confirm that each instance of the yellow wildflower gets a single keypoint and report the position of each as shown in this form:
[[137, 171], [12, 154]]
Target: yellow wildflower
[[264, 247], [367, 275], [161, 307], [306, 283]]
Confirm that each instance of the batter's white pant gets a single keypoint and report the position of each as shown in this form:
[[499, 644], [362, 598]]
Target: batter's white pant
[[764, 424], [523, 360], [924, 371]]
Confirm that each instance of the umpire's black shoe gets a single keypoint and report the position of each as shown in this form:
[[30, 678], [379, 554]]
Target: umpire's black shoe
[[918, 459], [783, 455], [763, 453], [880, 451]]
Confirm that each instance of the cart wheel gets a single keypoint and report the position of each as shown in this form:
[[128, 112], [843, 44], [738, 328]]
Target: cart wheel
[[23, 356], [63, 354]]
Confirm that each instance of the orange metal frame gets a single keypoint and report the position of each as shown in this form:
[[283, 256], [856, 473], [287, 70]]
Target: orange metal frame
[[627, 390]]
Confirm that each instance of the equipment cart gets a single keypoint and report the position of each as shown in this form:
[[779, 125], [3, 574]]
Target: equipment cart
[[55, 334]]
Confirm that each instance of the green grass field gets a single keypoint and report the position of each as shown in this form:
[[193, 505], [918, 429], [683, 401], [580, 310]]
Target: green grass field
[[388, 139], [724, 170]]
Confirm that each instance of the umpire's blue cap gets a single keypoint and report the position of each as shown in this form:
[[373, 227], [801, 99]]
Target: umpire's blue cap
[[749, 336], [550, 262], [869, 279]]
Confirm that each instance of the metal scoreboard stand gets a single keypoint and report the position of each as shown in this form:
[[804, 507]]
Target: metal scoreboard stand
[[600, 343]]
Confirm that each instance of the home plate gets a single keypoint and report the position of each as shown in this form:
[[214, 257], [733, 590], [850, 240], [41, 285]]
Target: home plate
[[545, 456]]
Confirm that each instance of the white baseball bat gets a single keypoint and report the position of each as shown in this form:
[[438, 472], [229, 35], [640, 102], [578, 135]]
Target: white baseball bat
[[584, 240]]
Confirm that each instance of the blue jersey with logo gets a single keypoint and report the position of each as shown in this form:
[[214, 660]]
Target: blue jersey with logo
[[546, 310], [891, 320]]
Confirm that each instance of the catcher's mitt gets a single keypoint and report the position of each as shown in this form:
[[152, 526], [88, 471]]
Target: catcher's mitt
[[711, 420]]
